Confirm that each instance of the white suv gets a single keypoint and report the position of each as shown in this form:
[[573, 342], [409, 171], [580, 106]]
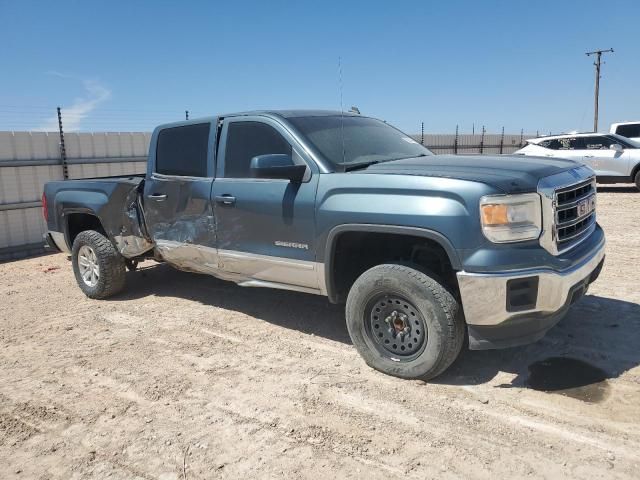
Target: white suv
[[615, 159], [630, 130]]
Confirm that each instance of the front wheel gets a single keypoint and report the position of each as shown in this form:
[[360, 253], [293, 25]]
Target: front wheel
[[637, 180], [97, 265], [404, 322]]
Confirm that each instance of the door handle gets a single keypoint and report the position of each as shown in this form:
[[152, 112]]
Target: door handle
[[588, 156], [158, 196], [226, 199]]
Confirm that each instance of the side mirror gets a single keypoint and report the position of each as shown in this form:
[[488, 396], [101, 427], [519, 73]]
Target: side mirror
[[616, 146], [277, 166]]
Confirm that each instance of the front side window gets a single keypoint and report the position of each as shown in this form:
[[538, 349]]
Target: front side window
[[246, 140], [183, 150], [597, 143], [346, 141]]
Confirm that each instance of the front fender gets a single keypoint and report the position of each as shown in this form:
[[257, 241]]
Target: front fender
[[446, 207]]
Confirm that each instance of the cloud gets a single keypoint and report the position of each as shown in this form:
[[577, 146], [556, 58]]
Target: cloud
[[73, 115]]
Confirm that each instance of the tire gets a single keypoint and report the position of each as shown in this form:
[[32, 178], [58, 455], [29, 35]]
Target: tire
[[93, 252], [403, 322], [637, 180]]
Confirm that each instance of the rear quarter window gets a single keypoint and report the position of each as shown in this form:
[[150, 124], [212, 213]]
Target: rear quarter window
[[553, 144], [183, 150]]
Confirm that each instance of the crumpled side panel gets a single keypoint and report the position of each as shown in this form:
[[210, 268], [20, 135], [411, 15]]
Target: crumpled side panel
[[132, 240], [197, 229], [189, 257]]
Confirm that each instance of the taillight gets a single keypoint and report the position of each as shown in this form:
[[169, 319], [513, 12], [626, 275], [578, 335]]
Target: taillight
[[45, 210]]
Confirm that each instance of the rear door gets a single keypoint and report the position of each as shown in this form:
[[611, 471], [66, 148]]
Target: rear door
[[177, 206], [265, 227], [570, 147]]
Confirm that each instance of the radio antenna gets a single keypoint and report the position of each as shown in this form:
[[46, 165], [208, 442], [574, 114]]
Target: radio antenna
[[341, 107]]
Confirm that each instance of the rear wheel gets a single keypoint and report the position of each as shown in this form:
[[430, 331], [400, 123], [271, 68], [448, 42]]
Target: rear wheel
[[98, 267], [637, 180], [404, 322]]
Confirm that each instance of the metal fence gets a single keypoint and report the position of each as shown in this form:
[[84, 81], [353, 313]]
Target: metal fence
[[482, 143], [30, 159]]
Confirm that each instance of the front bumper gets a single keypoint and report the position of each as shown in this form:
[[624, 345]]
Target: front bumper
[[506, 309]]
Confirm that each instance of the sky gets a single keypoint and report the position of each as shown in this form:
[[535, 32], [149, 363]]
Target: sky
[[128, 66]]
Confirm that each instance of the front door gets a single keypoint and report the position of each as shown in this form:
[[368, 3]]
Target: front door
[[265, 227], [177, 197], [608, 162]]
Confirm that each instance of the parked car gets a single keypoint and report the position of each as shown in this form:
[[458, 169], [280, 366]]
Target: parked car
[[630, 130], [615, 159], [425, 250]]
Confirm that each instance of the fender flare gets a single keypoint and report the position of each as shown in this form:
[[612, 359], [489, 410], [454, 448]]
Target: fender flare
[[330, 244]]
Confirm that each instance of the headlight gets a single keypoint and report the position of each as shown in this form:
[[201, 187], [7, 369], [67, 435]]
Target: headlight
[[511, 218]]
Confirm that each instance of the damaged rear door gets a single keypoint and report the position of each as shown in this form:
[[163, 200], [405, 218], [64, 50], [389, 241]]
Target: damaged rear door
[[177, 204]]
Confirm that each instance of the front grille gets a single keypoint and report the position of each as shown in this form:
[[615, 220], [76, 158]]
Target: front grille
[[575, 214], [568, 196]]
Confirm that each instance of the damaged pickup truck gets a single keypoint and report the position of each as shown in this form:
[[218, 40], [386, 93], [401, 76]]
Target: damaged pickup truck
[[425, 250]]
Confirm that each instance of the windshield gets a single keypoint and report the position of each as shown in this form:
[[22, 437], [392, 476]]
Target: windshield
[[347, 141]]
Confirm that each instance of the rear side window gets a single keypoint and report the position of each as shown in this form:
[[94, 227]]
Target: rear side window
[[570, 143], [246, 140], [183, 150], [629, 131]]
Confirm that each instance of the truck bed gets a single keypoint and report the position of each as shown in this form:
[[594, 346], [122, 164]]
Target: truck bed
[[115, 202]]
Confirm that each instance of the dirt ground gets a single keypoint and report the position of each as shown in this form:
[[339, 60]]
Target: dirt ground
[[186, 376]]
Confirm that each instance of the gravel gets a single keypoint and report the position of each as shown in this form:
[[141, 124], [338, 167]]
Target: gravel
[[187, 375]]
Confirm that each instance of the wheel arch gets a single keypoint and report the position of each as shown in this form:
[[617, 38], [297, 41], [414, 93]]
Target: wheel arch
[[77, 220], [335, 234]]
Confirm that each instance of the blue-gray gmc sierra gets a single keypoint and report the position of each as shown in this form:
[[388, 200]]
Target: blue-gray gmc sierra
[[424, 249]]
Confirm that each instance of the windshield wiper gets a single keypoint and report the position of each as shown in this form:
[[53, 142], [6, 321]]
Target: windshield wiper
[[358, 166], [410, 156], [361, 165]]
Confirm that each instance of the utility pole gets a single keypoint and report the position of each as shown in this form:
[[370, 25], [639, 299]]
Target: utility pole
[[598, 54]]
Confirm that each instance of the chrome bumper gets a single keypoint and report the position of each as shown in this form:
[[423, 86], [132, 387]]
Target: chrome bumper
[[484, 295]]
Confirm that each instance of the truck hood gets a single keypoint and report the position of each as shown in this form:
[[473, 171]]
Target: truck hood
[[509, 173]]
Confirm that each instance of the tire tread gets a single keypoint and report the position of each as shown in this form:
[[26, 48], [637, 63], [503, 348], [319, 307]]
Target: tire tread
[[454, 328], [112, 265]]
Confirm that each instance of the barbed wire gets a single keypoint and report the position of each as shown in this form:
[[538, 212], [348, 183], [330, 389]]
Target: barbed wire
[[15, 117], [44, 117]]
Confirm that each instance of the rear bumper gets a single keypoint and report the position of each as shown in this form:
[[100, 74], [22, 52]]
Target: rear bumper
[[518, 307], [56, 241]]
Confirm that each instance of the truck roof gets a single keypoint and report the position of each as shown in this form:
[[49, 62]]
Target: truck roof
[[273, 113], [625, 123]]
